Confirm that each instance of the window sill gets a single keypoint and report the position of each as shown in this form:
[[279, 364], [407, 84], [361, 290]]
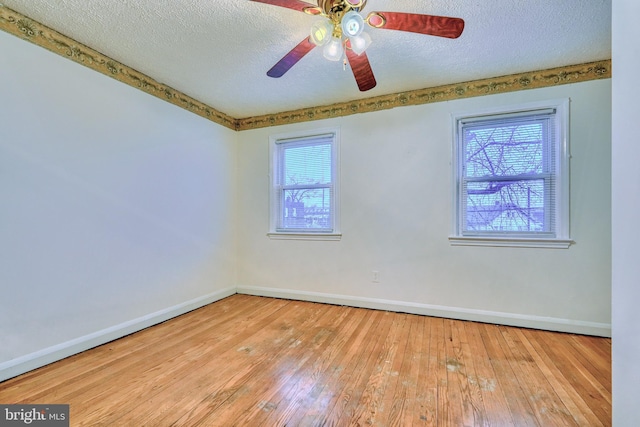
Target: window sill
[[305, 236], [514, 242]]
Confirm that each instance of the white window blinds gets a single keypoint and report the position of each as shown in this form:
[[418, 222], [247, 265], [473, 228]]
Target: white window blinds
[[508, 179], [304, 180]]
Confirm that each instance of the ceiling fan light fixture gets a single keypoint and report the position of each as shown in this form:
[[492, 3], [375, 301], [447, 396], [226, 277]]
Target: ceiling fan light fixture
[[333, 50], [360, 43], [352, 24], [321, 32]]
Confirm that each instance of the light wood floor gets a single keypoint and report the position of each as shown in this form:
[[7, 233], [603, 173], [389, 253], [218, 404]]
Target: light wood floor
[[252, 361]]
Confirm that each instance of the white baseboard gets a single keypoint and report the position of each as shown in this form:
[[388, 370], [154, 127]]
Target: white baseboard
[[20, 365], [501, 318]]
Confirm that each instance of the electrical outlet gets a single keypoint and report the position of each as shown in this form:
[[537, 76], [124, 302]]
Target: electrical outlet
[[375, 276]]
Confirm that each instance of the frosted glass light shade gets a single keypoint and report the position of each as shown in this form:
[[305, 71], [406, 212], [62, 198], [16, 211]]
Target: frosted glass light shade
[[333, 50], [360, 43], [321, 32], [352, 24]]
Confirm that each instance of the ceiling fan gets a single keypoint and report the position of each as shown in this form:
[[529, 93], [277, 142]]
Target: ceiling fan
[[340, 32]]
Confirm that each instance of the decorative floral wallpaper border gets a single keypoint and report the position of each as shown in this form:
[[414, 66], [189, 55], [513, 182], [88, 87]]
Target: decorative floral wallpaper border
[[514, 82], [28, 29]]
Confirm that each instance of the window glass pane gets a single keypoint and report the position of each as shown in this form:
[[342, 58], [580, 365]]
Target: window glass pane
[[307, 164], [505, 149], [506, 206], [307, 208]]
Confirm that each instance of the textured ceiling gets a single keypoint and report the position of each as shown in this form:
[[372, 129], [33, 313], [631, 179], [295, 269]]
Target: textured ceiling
[[218, 51]]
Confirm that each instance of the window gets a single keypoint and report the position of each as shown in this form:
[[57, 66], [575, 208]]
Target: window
[[304, 190], [511, 177]]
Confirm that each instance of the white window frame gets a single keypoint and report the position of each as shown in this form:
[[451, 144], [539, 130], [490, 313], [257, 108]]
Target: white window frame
[[276, 189], [559, 236]]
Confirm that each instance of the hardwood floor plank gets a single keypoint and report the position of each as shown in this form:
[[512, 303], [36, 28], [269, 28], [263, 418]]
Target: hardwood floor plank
[[443, 414], [360, 392], [474, 410], [580, 412], [495, 404], [315, 408], [370, 409], [427, 384], [294, 369], [259, 361], [544, 401], [399, 403], [311, 376], [457, 393], [227, 378], [507, 379], [596, 397], [598, 366]]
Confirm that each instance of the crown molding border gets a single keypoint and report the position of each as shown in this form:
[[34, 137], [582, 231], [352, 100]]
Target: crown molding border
[[510, 83], [25, 28]]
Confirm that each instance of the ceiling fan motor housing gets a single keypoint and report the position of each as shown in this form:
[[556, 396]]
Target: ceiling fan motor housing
[[331, 8]]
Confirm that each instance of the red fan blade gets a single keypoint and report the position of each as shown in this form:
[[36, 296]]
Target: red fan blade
[[432, 25], [361, 69], [291, 58], [298, 5]]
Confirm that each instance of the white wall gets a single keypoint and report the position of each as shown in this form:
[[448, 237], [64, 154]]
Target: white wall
[[116, 208], [626, 206], [396, 216]]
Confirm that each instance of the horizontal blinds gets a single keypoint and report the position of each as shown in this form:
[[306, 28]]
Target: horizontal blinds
[[304, 183], [508, 179]]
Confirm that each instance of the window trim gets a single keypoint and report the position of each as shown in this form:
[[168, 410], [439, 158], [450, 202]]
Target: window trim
[[276, 234], [561, 237]]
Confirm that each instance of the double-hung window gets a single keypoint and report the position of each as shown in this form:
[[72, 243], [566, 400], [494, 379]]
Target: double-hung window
[[511, 177], [304, 186]]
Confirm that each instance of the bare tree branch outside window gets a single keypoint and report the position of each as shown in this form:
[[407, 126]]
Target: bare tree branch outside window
[[506, 178]]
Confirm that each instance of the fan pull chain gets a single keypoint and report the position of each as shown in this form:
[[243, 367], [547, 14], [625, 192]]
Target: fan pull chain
[[344, 64]]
